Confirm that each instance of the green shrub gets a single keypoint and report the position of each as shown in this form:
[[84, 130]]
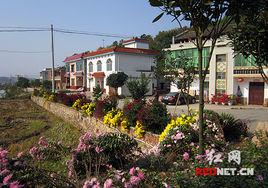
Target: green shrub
[[118, 147], [139, 87], [233, 128], [154, 116]]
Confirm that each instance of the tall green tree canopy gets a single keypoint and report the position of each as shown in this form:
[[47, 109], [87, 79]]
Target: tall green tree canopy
[[250, 35]]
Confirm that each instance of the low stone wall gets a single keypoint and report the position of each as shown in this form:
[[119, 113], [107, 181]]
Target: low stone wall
[[84, 123]]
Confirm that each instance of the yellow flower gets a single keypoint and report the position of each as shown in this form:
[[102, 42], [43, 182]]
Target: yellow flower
[[139, 130], [183, 120]]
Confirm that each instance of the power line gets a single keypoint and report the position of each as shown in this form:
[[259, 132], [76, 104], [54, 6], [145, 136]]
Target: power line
[[60, 30], [16, 27], [25, 52], [90, 33]]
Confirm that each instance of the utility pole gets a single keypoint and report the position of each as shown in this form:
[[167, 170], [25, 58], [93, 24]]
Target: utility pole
[[52, 53]]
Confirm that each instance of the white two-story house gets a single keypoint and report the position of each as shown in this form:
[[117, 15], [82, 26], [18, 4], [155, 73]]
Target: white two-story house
[[133, 58]]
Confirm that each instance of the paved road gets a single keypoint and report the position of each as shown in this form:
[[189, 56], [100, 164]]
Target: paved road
[[256, 115]]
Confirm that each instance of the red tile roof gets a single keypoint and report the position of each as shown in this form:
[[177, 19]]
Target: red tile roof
[[122, 50], [74, 57], [136, 40]]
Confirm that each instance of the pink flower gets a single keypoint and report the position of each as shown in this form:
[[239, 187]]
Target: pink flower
[[134, 180], [186, 156], [98, 149], [207, 151], [198, 157], [108, 183], [132, 171], [20, 154], [43, 142], [141, 175], [178, 136], [7, 179], [191, 144], [4, 172], [15, 184]]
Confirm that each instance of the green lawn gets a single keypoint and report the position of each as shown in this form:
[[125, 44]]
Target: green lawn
[[22, 123]]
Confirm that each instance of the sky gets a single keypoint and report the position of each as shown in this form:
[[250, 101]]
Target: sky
[[120, 17]]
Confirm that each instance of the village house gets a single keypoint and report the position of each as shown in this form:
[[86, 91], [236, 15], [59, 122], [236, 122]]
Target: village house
[[133, 58], [75, 75], [90, 69], [60, 80], [229, 73]]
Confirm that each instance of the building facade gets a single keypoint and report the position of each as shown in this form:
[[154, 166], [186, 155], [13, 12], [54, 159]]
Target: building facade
[[46, 74], [229, 73], [75, 71], [132, 59]]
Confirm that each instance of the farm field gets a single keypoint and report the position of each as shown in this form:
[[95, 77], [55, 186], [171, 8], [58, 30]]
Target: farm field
[[22, 123]]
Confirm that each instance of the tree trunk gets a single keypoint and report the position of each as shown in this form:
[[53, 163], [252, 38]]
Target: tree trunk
[[201, 100]]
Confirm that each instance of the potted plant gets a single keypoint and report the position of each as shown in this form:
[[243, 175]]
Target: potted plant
[[223, 99], [231, 100]]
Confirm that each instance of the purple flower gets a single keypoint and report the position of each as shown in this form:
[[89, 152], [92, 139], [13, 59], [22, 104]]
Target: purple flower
[[260, 178]]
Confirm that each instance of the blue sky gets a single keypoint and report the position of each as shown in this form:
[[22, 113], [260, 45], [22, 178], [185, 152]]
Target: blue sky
[[122, 17]]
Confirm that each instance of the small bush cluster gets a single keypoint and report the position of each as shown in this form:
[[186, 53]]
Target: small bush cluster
[[152, 115]]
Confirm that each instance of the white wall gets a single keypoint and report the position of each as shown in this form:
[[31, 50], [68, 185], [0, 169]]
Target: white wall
[[132, 65], [103, 58], [134, 44]]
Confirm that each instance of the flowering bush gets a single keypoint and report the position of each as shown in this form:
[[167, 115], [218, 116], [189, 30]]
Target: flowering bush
[[94, 155], [117, 178], [113, 118], [131, 110], [223, 98], [77, 105], [182, 120], [88, 108], [139, 130], [68, 99]]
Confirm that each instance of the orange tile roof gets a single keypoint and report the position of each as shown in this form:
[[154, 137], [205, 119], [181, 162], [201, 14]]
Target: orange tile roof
[[122, 50]]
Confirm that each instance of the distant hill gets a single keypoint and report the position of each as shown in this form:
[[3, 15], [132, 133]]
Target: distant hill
[[8, 80]]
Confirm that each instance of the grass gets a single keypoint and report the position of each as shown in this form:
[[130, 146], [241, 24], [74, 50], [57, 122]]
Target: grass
[[22, 123]]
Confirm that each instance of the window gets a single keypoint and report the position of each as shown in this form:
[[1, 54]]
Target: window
[[90, 67], [67, 68], [109, 65], [99, 66], [221, 58], [72, 68], [72, 82], [79, 66]]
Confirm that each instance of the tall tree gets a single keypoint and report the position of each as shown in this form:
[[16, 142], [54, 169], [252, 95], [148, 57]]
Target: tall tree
[[208, 20], [250, 35]]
